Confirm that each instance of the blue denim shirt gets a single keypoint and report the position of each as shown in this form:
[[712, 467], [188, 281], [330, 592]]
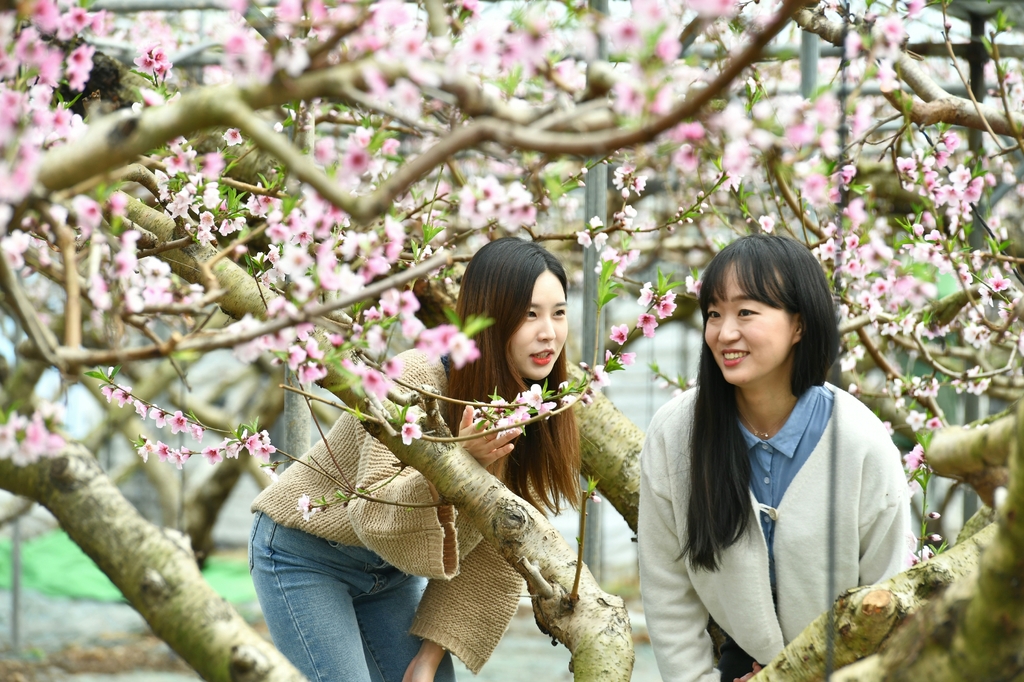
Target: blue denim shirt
[[775, 462]]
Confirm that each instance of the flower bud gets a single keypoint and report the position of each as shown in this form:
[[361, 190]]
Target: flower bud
[[934, 515]]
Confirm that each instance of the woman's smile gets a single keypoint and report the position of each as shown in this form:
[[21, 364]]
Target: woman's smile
[[752, 341], [538, 341]]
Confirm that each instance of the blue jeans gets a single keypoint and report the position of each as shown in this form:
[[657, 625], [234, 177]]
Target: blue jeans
[[338, 613]]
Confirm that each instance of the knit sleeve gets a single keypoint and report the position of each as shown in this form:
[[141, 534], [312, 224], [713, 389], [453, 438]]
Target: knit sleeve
[[420, 540], [676, 617], [885, 526], [469, 614], [416, 539]]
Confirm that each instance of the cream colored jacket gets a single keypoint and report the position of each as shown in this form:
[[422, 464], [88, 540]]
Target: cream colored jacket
[[872, 527]]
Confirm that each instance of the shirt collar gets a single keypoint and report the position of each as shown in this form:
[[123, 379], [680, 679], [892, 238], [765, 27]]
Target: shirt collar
[[788, 438]]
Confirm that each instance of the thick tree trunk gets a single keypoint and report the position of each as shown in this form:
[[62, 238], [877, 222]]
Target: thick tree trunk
[[153, 568], [866, 616], [610, 446], [975, 629]]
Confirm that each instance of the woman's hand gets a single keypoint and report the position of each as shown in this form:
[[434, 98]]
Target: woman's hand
[[424, 664], [486, 449], [756, 670]]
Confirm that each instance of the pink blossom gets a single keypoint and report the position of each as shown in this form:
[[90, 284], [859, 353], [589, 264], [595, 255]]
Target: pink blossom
[[73, 22], [627, 359], [233, 137], [259, 446], [158, 416], [146, 449], [666, 305], [374, 383], [686, 159], [891, 27], [141, 408], [712, 8], [311, 372], [153, 61], [304, 506], [178, 422], [647, 323], [463, 350], [79, 67], [600, 378], [122, 395], [411, 431], [213, 455], [646, 295], [998, 283], [88, 212], [393, 367], [916, 420], [767, 223], [583, 238], [914, 459], [620, 334], [356, 161]]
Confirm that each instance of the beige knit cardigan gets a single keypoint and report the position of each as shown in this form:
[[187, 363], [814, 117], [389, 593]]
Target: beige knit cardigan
[[472, 593]]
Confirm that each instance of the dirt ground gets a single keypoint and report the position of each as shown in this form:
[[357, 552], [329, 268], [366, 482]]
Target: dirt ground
[[144, 652]]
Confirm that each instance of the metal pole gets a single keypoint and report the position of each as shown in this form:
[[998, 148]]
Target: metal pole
[[296, 418], [595, 203], [977, 57], [809, 51], [16, 587]]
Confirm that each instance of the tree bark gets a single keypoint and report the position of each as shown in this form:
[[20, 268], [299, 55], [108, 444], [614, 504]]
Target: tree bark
[[153, 568], [975, 629], [866, 616], [610, 447], [976, 456]]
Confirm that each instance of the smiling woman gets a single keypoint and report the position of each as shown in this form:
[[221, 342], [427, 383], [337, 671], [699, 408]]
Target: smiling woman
[[734, 474], [370, 592]]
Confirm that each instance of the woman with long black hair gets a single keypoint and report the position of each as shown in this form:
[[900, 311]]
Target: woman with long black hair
[[367, 591], [734, 503]]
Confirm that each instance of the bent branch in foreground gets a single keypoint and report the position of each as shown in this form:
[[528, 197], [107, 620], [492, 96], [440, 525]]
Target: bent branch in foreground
[[866, 616], [154, 569]]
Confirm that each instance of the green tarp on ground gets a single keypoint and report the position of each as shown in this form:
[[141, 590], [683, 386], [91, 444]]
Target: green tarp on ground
[[53, 565]]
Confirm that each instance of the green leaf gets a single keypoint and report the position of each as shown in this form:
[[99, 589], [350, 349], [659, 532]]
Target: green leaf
[[476, 324]]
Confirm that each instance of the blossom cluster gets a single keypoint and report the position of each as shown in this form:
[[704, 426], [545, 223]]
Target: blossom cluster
[[246, 437], [25, 439]]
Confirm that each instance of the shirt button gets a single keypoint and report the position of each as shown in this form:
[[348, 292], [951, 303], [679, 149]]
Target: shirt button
[[766, 518], [764, 446], [767, 480]]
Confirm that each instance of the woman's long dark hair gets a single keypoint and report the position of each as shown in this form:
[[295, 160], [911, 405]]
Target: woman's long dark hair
[[782, 273], [544, 467]]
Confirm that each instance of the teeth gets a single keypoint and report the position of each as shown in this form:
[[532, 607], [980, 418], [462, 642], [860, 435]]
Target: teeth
[[733, 356]]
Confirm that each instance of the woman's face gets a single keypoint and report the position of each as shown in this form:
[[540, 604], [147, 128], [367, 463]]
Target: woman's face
[[752, 342], [539, 340]]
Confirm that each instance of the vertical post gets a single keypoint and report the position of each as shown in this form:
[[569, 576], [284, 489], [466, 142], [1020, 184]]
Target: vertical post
[[16, 586], [808, 64], [296, 418], [595, 203], [977, 57]]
